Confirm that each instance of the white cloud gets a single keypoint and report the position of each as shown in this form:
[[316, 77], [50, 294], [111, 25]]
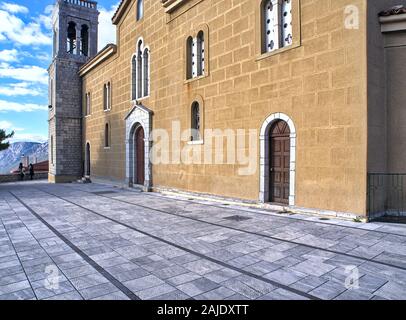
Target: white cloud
[[13, 8], [32, 74], [7, 106], [9, 55], [28, 137], [21, 33], [20, 89], [107, 31], [7, 125]]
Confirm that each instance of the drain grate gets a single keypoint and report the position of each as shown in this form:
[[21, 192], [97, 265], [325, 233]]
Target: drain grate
[[100, 193], [237, 218]]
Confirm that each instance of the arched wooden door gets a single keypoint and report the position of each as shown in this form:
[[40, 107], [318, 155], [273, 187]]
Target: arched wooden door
[[139, 156], [279, 181]]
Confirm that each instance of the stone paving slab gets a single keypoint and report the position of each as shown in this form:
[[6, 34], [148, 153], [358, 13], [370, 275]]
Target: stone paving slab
[[120, 245]]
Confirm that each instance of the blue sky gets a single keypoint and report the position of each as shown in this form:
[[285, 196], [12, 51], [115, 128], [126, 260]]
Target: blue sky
[[25, 54]]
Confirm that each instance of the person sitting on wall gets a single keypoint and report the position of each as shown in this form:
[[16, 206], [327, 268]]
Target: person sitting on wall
[[31, 169]]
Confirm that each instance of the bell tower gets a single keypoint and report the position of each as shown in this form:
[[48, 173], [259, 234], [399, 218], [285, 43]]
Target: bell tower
[[75, 25]]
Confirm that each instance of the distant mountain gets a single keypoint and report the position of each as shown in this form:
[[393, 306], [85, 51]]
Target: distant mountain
[[11, 158]]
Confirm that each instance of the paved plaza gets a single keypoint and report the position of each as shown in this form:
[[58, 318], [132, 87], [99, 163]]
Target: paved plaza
[[93, 241]]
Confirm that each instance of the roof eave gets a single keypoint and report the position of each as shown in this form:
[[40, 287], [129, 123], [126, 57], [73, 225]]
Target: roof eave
[[107, 52]]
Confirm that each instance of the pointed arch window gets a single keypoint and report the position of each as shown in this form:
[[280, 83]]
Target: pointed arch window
[[134, 78], [140, 9], [145, 58], [195, 125], [140, 72]]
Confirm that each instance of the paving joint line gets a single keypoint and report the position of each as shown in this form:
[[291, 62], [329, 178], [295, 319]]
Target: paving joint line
[[200, 255], [253, 233], [257, 211], [18, 257], [84, 256], [52, 259]]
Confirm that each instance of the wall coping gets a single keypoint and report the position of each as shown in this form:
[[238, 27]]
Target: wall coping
[[393, 23]]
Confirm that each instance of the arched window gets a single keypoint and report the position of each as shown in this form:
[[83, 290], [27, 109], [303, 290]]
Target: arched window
[[277, 24], [134, 78], [107, 96], [200, 54], [84, 40], [189, 58], [71, 40], [145, 57], [140, 9], [87, 100], [106, 136], [139, 70], [195, 125], [52, 150]]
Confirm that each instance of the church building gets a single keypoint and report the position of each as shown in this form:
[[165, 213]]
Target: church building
[[295, 103]]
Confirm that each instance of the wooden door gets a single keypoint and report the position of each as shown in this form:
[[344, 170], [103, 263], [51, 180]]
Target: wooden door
[[279, 163], [140, 156]]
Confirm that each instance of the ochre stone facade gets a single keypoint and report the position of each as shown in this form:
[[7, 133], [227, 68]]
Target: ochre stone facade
[[324, 88], [319, 82]]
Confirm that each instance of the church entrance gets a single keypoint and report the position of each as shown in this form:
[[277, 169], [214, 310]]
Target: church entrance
[[139, 156], [279, 182]]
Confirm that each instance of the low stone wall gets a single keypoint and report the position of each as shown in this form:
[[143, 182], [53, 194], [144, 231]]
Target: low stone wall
[[16, 177]]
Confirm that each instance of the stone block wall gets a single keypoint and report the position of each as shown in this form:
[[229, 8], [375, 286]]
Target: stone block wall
[[320, 84]]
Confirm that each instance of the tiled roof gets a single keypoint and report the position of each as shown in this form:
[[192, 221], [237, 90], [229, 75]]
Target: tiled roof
[[393, 11]]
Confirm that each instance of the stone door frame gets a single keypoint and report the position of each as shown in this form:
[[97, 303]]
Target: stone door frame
[[265, 161], [138, 116]]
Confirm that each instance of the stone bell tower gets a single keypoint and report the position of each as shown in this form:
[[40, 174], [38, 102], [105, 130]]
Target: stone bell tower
[[75, 24]]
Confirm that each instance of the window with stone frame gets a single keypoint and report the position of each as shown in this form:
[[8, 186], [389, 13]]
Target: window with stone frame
[[140, 72], [195, 51], [277, 24], [195, 125]]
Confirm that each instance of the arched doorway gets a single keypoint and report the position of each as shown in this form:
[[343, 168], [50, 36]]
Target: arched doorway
[[279, 162], [139, 156], [138, 146], [87, 166]]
